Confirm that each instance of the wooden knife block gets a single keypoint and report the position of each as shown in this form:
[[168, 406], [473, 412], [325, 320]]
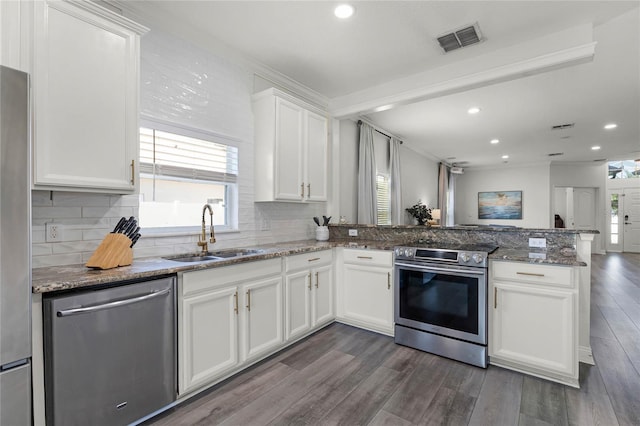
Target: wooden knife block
[[112, 252]]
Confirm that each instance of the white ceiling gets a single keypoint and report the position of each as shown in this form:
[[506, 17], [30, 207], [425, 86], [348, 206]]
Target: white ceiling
[[389, 40]]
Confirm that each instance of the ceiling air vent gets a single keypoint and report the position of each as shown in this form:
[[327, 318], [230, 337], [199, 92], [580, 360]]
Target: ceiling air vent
[[563, 126], [555, 154], [462, 37]]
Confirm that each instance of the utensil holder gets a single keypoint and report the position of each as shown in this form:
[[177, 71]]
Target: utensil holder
[[115, 250], [322, 233]]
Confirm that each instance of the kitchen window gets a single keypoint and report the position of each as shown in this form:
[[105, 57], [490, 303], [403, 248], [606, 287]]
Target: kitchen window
[[181, 171], [383, 194]]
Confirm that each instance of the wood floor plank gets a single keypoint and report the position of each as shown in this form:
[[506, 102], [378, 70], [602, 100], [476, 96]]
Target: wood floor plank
[[384, 418], [269, 405], [543, 400], [448, 408], [620, 379], [418, 390], [465, 378], [626, 332], [366, 399], [599, 326], [499, 400]]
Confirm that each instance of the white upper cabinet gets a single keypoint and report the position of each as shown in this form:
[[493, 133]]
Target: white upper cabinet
[[85, 90], [291, 143]]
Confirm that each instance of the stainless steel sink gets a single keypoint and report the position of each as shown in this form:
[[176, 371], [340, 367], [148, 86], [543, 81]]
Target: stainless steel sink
[[190, 259], [216, 255], [226, 254]]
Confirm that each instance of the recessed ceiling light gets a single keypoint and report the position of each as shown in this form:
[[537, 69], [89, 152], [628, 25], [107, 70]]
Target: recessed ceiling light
[[610, 126], [504, 157], [595, 148], [495, 141], [343, 11], [473, 110]]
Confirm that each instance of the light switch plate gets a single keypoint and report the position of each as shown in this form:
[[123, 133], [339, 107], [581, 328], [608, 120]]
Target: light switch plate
[[353, 232], [538, 242]]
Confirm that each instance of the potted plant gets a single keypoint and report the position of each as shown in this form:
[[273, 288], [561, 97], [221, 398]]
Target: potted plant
[[420, 212]]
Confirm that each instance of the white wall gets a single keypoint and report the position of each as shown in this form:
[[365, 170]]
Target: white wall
[[532, 180], [188, 86], [419, 174]]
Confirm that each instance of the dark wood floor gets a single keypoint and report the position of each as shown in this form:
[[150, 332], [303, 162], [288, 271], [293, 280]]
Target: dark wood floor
[[344, 375]]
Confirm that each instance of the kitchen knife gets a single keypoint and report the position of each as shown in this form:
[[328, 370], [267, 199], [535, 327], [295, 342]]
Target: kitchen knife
[[131, 226], [134, 240], [119, 226]]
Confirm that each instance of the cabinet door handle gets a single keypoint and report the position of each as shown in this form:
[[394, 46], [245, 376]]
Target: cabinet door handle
[[302, 189], [133, 172], [530, 274], [365, 257], [495, 298], [249, 300], [317, 279], [388, 280], [314, 259], [308, 190], [309, 281], [235, 303]]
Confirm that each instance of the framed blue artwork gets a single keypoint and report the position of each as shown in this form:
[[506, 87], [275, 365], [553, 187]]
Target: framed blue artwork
[[500, 205]]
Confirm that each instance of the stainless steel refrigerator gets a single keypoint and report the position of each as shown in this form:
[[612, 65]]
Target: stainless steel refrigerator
[[15, 249]]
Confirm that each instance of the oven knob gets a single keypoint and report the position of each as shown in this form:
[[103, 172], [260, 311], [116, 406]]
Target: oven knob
[[464, 257], [408, 252], [398, 252], [477, 257]]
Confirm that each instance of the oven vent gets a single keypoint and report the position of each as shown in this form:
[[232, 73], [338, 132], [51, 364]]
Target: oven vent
[[462, 37], [563, 126]]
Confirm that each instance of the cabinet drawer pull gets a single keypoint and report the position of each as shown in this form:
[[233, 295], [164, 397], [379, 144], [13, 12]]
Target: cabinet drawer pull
[[388, 280], [365, 257], [249, 300], [302, 190], [317, 279], [309, 280], [309, 191], [495, 298], [235, 304], [530, 274], [133, 172], [314, 259]]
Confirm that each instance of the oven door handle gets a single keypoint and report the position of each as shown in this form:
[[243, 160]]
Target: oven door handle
[[434, 268]]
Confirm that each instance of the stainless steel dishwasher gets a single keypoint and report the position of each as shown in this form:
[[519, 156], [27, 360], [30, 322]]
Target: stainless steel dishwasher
[[110, 354]]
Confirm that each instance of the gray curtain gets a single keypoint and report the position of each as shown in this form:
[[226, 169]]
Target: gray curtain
[[367, 206], [444, 176], [397, 212]]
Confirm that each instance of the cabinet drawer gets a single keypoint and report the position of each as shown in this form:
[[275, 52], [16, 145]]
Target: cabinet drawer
[[196, 281], [308, 260], [368, 257], [531, 273]]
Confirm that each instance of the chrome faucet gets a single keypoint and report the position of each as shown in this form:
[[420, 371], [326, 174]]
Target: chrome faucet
[[202, 240]]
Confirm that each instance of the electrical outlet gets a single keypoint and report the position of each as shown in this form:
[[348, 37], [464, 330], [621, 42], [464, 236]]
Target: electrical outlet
[[353, 232], [53, 232], [538, 242]]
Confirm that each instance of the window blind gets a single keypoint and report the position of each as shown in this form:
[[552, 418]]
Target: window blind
[[383, 196], [168, 154]]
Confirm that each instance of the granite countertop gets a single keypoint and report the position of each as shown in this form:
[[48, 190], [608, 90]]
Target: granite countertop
[[56, 278], [565, 256], [67, 277], [472, 227]]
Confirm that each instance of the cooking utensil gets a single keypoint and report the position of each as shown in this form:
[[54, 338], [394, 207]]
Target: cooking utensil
[[326, 220], [316, 220]]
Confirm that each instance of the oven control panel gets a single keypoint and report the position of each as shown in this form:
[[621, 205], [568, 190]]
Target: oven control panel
[[460, 257]]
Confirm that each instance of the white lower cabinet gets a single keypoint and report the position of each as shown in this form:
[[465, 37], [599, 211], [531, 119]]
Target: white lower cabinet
[[365, 291], [308, 292], [533, 319], [227, 316]]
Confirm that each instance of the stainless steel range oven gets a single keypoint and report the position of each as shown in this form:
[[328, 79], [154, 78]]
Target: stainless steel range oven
[[440, 300]]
